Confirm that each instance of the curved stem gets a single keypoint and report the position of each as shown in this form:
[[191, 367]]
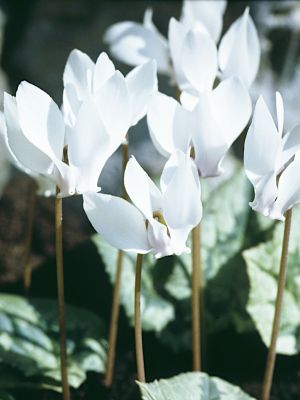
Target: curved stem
[[270, 365], [196, 297], [113, 329], [137, 320], [61, 298], [27, 251]]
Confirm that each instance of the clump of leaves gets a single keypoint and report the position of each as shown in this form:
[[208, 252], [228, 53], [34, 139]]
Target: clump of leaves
[[29, 342]]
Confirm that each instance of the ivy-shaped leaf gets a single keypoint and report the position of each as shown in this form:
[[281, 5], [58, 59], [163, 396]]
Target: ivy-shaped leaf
[[262, 267], [29, 340], [191, 386]]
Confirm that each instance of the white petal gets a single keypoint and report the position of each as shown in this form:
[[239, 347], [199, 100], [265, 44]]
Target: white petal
[[266, 191], [119, 222], [90, 146], [136, 44], [288, 190], [140, 188], [169, 124], [239, 51], [210, 142], [182, 208], [41, 120], [199, 60], [262, 144], [232, 108], [78, 72], [160, 116], [170, 168], [220, 116], [206, 12], [26, 153], [159, 239], [71, 104], [148, 23], [188, 100], [176, 35], [290, 145], [104, 69], [114, 106], [141, 84], [279, 112]]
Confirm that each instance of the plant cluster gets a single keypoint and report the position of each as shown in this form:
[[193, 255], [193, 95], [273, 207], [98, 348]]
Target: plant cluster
[[64, 149]]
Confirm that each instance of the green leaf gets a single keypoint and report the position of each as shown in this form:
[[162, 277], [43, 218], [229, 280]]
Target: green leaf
[[156, 311], [29, 340], [191, 386], [262, 268]]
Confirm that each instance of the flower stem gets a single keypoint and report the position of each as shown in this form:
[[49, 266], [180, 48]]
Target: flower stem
[[61, 301], [196, 297], [137, 320], [27, 251], [113, 329], [269, 371]]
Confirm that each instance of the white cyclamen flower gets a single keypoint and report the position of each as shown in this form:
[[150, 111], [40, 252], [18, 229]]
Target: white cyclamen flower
[[36, 133], [197, 57], [158, 221], [272, 161], [82, 77], [135, 43], [210, 127], [239, 52], [45, 183]]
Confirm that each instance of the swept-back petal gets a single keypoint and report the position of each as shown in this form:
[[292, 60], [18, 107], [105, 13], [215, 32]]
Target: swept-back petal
[[266, 190], [136, 44], [205, 12], [182, 208], [26, 153], [141, 84], [171, 166], [159, 239], [279, 113], [114, 106], [290, 146], [89, 146], [232, 107], [71, 104], [78, 72], [199, 60], [40, 120], [262, 144], [210, 142], [140, 188], [239, 51], [104, 69], [176, 34], [288, 190], [119, 222], [160, 117], [169, 124]]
